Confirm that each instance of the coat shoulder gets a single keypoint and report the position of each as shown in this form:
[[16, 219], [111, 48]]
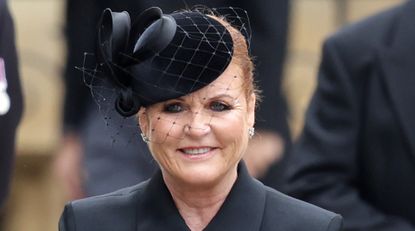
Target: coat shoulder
[[122, 197], [104, 212], [373, 31], [352, 50], [287, 213]]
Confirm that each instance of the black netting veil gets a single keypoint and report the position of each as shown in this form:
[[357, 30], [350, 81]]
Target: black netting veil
[[159, 56]]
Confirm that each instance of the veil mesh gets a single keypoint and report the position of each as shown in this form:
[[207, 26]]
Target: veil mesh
[[199, 50]]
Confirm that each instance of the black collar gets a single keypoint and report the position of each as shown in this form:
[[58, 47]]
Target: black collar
[[242, 210]]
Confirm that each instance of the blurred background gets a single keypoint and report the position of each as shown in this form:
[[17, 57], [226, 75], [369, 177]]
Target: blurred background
[[36, 199]]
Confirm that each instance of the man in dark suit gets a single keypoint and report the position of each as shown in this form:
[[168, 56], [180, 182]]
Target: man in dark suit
[[10, 98], [356, 155]]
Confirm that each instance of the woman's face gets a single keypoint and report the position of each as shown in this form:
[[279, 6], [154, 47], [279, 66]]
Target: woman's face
[[200, 138]]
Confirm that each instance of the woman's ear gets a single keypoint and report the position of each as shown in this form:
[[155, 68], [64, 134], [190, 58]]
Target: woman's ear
[[251, 110], [143, 120]]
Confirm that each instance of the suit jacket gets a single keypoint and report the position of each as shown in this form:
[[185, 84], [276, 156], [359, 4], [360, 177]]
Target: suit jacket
[[356, 155], [10, 120], [149, 206]]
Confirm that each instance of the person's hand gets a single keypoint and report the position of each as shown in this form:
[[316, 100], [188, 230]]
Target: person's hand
[[264, 149], [67, 167]]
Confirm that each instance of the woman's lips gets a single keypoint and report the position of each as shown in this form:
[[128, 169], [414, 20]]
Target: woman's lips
[[197, 152]]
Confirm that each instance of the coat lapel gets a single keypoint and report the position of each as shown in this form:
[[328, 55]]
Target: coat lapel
[[243, 208], [398, 67], [157, 211]]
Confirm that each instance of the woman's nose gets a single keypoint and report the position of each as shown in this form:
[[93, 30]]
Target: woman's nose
[[198, 125]]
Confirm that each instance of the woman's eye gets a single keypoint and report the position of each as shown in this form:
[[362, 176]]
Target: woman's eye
[[218, 106], [173, 108]]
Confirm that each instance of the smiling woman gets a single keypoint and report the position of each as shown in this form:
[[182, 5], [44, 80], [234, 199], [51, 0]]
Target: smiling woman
[[189, 141], [189, 77]]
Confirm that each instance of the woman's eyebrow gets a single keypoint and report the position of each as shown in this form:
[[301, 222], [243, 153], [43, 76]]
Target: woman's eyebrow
[[220, 96], [181, 99]]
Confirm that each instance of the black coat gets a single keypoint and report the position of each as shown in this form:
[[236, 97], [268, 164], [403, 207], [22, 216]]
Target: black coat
[[356, 155], [149, 206], [9, 120]]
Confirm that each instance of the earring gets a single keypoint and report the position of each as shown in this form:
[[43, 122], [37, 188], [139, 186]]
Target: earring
[[145, 138], [251, 132]]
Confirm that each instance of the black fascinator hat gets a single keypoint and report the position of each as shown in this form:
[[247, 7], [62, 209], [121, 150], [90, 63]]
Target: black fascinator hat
[[160, 56]]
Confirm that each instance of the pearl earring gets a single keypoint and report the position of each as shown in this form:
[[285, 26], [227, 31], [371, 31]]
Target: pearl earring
[[251, 132], [145, 138]]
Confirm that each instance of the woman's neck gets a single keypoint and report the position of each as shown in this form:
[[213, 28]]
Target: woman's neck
[[197, 204]]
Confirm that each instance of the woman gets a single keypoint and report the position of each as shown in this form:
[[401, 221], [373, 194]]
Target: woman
[[190, 78]]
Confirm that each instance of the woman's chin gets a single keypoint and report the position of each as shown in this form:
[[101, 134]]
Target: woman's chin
[[199, 176]]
